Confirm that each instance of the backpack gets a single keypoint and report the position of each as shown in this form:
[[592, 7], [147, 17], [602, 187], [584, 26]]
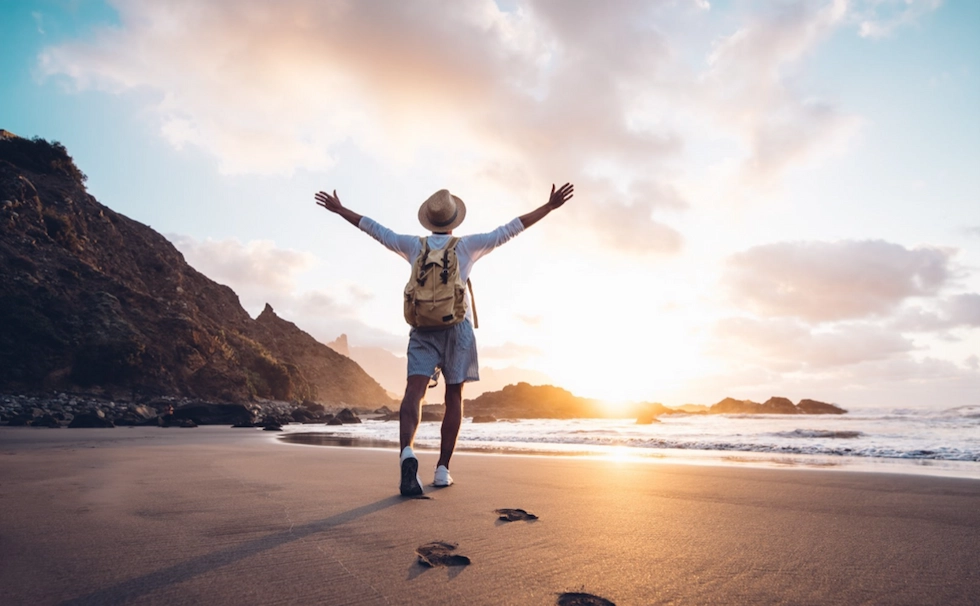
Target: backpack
[[435, 296]]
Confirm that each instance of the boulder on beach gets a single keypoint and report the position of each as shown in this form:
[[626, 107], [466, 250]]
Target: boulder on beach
[[208, 413], [45, 420], [314, 407], [89, 420], [302, 415]]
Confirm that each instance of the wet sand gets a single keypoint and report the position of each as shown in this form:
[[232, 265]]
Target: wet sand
[[223, 516]]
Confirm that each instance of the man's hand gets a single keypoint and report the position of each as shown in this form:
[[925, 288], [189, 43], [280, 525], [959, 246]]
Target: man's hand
[[329, 202], [332, 203], [556, 200], [562, 195]]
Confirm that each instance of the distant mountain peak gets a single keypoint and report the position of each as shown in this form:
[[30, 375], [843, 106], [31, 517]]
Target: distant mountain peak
[[340, 345]]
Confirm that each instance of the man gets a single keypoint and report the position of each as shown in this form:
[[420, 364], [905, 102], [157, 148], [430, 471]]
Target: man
[[451, 350]]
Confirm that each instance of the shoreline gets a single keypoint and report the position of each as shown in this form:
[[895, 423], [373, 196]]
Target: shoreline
[[227, 516], [297, 435], [329, 437]]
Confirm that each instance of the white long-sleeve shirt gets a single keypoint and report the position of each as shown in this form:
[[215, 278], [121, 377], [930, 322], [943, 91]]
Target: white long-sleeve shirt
[[468, 251]]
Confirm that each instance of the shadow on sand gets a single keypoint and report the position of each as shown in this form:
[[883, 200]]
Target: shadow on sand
[[128, 591]]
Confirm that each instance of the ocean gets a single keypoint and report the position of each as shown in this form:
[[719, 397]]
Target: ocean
[[937, 442]]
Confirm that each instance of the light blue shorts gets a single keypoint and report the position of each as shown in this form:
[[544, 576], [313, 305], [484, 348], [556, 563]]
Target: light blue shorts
[[450, 350]]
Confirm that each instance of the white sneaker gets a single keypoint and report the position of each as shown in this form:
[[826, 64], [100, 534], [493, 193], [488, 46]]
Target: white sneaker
[[411, 483], [442, 477]]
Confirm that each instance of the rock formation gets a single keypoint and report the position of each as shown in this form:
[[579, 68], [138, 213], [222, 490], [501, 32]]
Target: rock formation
[[94, 302]]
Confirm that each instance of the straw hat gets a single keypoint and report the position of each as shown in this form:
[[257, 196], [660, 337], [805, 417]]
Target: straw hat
[[442, 211]]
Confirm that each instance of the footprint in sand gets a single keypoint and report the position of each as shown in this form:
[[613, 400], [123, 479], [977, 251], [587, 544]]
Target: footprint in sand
[[512, 515], [439, 553], [578, 598]]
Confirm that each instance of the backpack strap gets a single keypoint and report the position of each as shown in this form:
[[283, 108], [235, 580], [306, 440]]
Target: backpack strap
[[452, 244], [476, 320], [423, 257]]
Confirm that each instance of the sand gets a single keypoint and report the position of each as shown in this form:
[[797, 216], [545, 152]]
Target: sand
[[232, 516]]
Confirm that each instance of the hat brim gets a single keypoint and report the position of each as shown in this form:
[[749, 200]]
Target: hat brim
[[460, 215]]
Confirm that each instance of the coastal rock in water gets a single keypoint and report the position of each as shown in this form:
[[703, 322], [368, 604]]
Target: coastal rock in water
[[815, 407], [89, 420], [647, 418], [651, 411], [347, 417], [779, 406], [432, 416], [527, 401], [730, 406], [484, 419]]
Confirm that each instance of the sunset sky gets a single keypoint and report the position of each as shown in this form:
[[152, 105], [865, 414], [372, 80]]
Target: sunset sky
[[771, 198]]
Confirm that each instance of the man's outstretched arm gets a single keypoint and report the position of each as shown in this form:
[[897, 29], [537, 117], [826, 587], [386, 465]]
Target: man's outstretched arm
[[332, 203], [558, 197]]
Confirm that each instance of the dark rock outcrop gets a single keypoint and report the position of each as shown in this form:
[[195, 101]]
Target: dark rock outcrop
[[206, 413], [525, 401], [346, 417], [731, 406], [90, 419], [814, 407], [94, 302], [779, 406]]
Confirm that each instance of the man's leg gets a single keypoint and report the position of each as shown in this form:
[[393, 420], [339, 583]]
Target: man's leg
[[411, 484], [451, 422], [411, 409]]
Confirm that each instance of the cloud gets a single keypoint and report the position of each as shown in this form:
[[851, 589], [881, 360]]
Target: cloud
[[749, 87], [545, 89], [510, 351], [827, 281], [530, 320], [271, 88], [38, 21], [786, 345], [254, 269], [880, 18], [962, 310], [625, 220]]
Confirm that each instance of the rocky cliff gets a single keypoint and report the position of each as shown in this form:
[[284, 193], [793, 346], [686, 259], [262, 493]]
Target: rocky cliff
[[94, 302]]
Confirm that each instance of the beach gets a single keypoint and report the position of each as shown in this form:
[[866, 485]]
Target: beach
[[234, 516]]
